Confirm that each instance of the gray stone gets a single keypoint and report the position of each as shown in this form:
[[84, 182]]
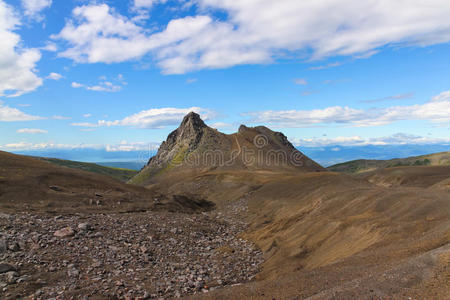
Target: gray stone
[[64, 232], [3, 246], [84, 226], [6, 268]]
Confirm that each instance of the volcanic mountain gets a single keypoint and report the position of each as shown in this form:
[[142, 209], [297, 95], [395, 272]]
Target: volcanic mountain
[[196, 147]]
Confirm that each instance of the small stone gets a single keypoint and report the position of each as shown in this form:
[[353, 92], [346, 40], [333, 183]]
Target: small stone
[[72, 272], [3, 246], [64, 232], [55, 188], [120, 283], [84, 226], [6, 268], [11, 277], [14, 247]]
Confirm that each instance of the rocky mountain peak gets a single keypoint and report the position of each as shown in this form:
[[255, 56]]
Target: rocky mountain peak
[[193, 120], [195, 146], [190, 129]]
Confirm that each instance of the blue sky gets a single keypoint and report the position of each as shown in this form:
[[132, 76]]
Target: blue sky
[[120, 75]]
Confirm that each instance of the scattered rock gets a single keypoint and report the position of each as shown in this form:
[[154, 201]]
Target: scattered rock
[[84, 226], [170, 254], [14, 247], [64, 232], [55, 188], [3, 246], [6, 268], [11, 277]]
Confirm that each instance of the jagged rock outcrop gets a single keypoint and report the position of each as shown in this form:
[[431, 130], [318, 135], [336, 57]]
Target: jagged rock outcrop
[[195, 146]]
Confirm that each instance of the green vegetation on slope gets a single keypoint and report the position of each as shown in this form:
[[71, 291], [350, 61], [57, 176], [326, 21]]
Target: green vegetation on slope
[[364, 165], [117, 173]]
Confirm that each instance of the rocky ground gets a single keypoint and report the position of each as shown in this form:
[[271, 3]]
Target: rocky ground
[[135, 256]]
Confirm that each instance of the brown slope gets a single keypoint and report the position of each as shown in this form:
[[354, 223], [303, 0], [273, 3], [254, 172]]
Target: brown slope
[[331, 235], [30, 184], [195, 148], [365, 165], [418, 176]]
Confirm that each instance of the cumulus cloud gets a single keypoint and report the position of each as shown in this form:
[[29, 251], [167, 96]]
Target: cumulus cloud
[[257, 31], [103, 86], [17, 64], [57, 117], [33, 8], [10, 114], [54, 76], [147, 3], [219, 125], [84, 124], [31, 130], [436, 110], [76, 85], [158, 117], [154, 118], [395, 139]]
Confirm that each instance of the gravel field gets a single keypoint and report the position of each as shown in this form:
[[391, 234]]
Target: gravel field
[[132, 256]]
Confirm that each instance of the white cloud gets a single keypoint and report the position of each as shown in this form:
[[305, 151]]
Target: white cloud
[[436, 110], [327, 66], [300, 81], [9, 114], [132, 146], [50, 46], [54, 76], [219, 125], [76, 85], [122, 146], [191, 80], [61, 118], [104, 86], [84, 124], [17, 64], [31, 130], [46, 145], [158, 117], [147, 3], [258, 31], [87, 115], [153, 118], [32, 8], [395, 139]]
